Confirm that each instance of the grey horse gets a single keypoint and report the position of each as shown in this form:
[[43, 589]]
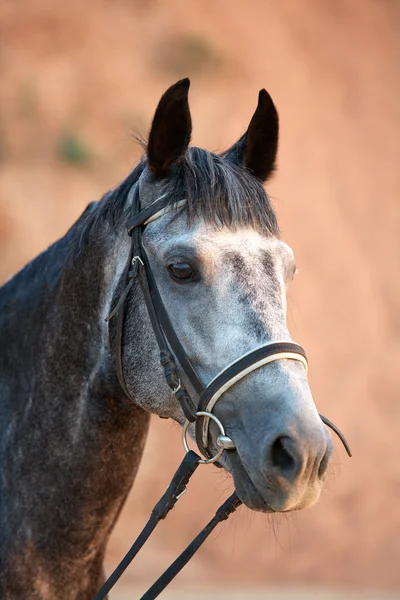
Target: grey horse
[[70, 439]]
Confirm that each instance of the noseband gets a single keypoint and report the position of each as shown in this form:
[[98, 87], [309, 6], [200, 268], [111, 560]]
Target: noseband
[[200, 413]]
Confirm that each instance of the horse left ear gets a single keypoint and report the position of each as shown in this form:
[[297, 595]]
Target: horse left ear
[[257, 148], [171, 129]]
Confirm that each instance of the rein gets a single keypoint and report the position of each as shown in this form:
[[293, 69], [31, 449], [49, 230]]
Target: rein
[[171, 349]]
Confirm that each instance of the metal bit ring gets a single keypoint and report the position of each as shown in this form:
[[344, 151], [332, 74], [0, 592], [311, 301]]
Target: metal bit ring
[[203, 413]]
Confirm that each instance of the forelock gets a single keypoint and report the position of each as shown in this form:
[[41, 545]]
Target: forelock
[[220, 192]]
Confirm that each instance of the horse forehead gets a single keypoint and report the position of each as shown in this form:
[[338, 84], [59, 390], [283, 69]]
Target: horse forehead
[[214, 244]]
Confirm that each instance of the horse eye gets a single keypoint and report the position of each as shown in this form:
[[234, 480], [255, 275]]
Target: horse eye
[[181, 271]]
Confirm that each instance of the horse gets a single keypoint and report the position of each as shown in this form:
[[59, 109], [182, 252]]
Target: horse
[[72, 431]]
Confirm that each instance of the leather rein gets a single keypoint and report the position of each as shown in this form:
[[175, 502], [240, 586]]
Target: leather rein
[[171, 350]]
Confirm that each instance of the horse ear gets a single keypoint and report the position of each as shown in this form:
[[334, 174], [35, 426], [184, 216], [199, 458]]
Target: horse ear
[[256, 150], [171, 129]]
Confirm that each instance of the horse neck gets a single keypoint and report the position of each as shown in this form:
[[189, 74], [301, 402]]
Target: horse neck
[[69, 439], [53, 311]]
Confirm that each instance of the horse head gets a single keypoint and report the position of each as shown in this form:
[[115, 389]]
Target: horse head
[[222, 274]]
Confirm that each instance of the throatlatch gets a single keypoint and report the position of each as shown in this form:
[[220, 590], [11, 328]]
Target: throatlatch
[[171, 349]]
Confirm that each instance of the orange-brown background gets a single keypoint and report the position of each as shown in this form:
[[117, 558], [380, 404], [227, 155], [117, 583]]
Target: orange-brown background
[[77, 77]]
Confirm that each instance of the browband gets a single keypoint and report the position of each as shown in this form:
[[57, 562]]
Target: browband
[[156, 210]]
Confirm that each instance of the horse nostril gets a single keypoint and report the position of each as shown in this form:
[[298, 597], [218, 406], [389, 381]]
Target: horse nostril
[[281, 457], [324, 464]]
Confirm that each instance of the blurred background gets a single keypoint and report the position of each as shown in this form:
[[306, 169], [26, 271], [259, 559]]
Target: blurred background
[[77, 78]]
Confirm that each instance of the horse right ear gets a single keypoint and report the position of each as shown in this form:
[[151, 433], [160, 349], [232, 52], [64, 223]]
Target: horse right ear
[[257, 148], [171, 129]]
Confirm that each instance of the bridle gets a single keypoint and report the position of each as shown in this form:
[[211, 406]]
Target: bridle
[[171, 349]]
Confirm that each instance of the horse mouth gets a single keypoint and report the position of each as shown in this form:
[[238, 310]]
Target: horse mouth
[[245, 488]]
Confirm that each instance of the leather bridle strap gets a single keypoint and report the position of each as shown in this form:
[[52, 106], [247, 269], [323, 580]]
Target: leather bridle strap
[[336, 429], [155, 210], [167, 340], [224, 511], [175, 490], [247, 363], [243, 366], [165, 333], [169, 330]]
